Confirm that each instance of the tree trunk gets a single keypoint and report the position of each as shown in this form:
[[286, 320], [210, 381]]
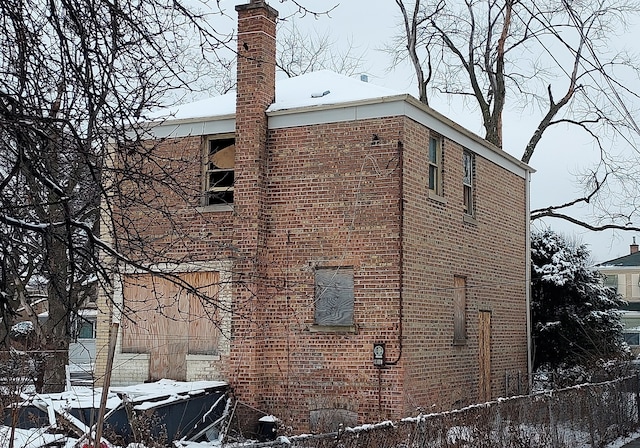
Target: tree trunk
[[57, 332]]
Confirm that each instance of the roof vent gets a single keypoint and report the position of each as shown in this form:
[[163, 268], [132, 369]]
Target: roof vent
[[364, 78], [320, 94]]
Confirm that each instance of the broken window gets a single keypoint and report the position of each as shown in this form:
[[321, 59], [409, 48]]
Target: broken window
[[334, 296], [219, 171]]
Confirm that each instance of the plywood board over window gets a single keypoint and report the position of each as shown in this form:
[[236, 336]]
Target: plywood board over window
[[334, 296], [170, 319], [459, 310]]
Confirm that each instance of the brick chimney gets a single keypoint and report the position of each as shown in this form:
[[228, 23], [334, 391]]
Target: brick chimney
[[256, 88], [256, 74], [256, 64], [633, 246]]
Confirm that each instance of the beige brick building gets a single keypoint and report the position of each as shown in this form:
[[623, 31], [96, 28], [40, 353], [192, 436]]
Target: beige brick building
[[365, 256]]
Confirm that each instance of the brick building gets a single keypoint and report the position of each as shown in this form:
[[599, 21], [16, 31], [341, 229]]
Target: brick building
[[367, 257]]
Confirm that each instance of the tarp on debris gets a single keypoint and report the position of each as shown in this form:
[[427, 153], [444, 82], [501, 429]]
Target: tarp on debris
[[171, 410]]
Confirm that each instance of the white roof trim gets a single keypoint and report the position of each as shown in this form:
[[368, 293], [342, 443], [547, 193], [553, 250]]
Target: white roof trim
[[390, 106], [193, 126], [399, 105], [611, 267]]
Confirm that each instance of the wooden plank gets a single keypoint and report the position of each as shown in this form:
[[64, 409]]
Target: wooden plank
[[484, 352], [138, 309], [204, 319], [459, 305], [170, 332]]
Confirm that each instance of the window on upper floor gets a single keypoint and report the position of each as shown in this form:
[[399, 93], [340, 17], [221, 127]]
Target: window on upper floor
[[219, 173], [334, 297], [468, 165], [435, 165], [611, 281]]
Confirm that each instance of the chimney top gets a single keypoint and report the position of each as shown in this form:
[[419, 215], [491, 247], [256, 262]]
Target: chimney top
[[254, 4], [633, 247]]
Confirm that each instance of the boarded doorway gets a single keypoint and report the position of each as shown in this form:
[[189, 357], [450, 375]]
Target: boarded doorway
[[484, 351]]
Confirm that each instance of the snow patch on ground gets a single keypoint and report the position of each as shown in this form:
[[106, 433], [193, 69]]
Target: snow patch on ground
[[619, 443], [29, 438]]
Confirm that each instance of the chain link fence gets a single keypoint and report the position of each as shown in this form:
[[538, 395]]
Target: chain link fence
[[581, 416]]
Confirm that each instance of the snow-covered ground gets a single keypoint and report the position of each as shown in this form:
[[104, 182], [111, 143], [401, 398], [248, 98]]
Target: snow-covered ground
[[150, 395]]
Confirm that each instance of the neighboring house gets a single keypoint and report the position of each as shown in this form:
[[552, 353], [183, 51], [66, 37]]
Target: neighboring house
[[623, 274], [82, 347], [368, 256]]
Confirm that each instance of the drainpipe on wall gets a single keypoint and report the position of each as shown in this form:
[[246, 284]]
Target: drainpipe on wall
[[528, 275], [401, 249]]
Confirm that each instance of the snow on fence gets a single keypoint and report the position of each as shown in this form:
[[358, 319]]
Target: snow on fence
[[581, 416]]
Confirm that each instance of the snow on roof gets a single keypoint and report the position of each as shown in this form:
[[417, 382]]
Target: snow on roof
[[78, 397], [322, 88], [319, 88], [165, 388], [88, 312]]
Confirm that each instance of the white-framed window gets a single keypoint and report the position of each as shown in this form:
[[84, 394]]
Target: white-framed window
[[468, 165], [611, 281], [334, 297], [219, 175], [632, 337], [435, 165], [86, 329]]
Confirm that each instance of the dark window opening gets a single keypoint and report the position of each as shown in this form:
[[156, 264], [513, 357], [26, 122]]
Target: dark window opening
[[220, 175]]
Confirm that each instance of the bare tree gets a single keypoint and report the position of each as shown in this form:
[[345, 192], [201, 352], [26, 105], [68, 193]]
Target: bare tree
[[77, 80], [75, 77], [300, 52], [555, 59]]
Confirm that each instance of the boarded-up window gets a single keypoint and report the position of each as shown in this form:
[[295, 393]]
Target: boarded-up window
[[334, 296], [459, 309], [160, 314]]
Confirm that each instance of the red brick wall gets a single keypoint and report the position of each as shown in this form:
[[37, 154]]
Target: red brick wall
[[350, 194], [331, 197], [490, 253], [156, 210], [332, 201]]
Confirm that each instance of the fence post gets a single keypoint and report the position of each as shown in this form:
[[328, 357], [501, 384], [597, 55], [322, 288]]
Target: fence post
[[553, 423], [636, 386]]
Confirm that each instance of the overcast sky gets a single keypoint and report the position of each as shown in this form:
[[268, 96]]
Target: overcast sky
[[370, 25]]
